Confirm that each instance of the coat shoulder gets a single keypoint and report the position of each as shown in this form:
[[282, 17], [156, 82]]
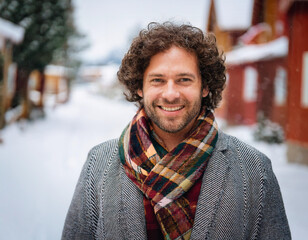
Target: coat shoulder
[[106, 148], [101, 155], [248, 154]]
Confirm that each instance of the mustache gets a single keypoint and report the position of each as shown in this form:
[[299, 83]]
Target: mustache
[[167, 102]]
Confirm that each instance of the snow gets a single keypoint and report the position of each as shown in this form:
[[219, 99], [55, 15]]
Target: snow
[[11, 31], [256, 52], [40, 162], [255, 31], [105, 75], [226, 11], [56, 70]]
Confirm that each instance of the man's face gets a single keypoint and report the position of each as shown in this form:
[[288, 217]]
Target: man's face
[[172, 90]]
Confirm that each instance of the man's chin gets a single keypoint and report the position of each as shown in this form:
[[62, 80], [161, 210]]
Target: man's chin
[[170, 127]]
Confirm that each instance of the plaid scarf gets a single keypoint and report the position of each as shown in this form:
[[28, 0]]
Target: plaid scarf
[[164, 179]]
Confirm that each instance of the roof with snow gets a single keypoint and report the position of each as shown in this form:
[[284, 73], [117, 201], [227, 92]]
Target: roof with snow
[[11, 31], [56, 70], [233, 15], [256, 52]]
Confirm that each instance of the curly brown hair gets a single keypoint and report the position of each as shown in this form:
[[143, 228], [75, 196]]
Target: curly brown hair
[[159, 38]]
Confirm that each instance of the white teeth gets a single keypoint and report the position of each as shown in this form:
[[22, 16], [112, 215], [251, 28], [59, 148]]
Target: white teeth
[[171, 109]]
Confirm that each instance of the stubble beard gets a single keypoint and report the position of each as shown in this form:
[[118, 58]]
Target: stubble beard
[[173, 125]]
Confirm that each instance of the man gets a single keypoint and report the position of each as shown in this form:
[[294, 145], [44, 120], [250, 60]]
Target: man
[[172, 174]]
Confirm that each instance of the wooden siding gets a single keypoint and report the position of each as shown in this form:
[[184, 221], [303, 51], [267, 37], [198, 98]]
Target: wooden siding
[[298, 34]]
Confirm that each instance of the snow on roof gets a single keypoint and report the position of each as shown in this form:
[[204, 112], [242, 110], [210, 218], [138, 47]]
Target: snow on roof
[[257, 52], [11, 31], [233, 15], [254, 31], [56, 70]]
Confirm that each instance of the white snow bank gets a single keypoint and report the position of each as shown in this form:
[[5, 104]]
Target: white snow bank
[[40, 162]]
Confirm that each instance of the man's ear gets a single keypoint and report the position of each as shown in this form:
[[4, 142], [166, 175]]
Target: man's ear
[[205, 91], [139, 92]]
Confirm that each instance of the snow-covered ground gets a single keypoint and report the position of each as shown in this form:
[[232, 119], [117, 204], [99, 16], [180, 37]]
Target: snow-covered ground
[[40, 163]]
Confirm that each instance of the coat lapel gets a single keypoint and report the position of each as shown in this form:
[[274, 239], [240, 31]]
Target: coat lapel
[[133, 209], [212, 190]]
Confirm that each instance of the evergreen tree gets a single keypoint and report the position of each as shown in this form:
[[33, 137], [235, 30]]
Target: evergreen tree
[[48, 26]]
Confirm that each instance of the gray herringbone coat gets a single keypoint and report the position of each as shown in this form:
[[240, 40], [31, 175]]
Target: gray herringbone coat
[[239, 199]]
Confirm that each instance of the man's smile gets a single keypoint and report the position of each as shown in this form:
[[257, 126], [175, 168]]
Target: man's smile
[[171, 109]]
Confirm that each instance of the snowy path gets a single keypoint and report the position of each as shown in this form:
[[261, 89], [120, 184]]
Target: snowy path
[[41, 161]]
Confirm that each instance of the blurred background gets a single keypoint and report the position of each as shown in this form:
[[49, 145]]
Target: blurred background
[[59, 94]]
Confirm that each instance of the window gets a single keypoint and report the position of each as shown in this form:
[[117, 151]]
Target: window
[[280, 86], [305, 80], [250, 84]]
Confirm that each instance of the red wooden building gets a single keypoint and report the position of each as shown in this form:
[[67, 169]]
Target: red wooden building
[[297, 104], [257, 82], [268, 70], [256, 64]]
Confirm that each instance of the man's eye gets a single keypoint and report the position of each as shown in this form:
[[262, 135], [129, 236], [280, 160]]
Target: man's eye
[[185, 80], [157, 80]]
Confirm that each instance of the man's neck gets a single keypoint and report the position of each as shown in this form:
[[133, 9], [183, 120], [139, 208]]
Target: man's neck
[[170, 140]]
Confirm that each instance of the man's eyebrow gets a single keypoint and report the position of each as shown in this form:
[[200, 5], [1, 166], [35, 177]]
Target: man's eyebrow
[[186, 75], [178, 75], [155, 75]]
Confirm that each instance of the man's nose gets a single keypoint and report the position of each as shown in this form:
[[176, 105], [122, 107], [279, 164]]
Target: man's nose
[[171, 91]]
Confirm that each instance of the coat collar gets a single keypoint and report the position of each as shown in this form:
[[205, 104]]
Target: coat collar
[[222, 142]]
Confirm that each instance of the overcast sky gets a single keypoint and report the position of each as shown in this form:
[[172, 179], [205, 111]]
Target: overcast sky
[[109, 24]]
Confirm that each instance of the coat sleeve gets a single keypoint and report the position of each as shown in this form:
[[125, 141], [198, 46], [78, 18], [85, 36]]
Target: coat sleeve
[[80, 217], [274, 223]]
